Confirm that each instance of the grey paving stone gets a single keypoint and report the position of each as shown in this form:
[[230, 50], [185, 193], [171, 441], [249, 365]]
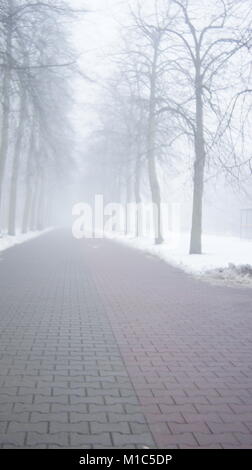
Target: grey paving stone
[[99, 350]]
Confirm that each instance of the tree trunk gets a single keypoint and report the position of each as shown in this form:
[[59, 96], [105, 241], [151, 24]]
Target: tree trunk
[[40, 208], [138, 172], [34, 200], [5, 120], [15, 169], [137, 188], [151, 137], [28, 185], [199, 169], [137, 183], [48, 207]]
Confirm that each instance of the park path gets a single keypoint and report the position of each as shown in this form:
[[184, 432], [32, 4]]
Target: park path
[[103, 346]]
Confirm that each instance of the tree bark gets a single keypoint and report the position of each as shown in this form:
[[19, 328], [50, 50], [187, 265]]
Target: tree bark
[[15, 168], [153, 179], [137, 190], [34, 201], [199, 169], [40, 207], [28, 182], [4, 138]]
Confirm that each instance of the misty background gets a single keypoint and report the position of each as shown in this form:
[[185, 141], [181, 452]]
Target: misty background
[[139, 101]]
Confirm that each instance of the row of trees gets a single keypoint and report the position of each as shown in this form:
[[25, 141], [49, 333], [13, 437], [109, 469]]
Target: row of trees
[[181, 91], [37, 64]]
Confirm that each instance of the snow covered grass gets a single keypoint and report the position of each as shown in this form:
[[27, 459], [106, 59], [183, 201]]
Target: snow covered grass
[[232, 275], [6, 241], [224, 257]]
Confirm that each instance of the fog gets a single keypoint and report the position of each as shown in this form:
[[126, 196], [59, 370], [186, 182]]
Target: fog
[[139, 101], [125, 230]]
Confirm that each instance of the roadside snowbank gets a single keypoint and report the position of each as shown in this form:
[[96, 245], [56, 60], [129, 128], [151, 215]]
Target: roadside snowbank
[[224, 257], [6, 241]]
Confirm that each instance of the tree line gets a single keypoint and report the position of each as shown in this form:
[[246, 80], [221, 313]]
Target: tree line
[[181, 91], [37, 64]]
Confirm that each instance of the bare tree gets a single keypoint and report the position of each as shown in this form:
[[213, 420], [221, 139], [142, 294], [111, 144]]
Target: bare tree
[[201, 51], [145, 59], [29, 175], [37, 63], [6, 53], [16, 164]]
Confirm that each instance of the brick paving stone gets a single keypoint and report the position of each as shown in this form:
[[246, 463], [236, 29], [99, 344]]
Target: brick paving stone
[[102, 346], [186, 346], [96, 440], [143, 439], [60, 439], [63, 381], [16, 439], [121, 427], [27, 427]]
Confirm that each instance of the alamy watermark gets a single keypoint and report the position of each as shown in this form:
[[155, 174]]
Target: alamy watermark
[[144, 220]]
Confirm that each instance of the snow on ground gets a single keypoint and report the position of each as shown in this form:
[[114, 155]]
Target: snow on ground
[[7, 241], [224, 258]]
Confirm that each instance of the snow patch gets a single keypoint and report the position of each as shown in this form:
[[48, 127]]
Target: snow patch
[[241, 274], [225, 259], [7, 241]]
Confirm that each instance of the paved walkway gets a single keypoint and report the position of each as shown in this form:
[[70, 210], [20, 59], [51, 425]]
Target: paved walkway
[[102, 346]]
